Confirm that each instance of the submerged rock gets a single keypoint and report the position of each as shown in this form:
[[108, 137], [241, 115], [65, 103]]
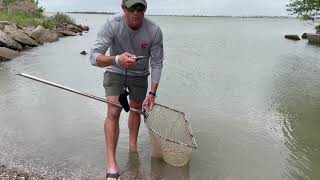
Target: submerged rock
[[83, 53], [292, 37]]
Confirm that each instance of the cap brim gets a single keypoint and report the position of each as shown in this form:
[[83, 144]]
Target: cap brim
[[133, 2]]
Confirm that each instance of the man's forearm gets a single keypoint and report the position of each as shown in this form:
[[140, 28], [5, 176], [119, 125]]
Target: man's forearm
[[154, 87], [104, 61]]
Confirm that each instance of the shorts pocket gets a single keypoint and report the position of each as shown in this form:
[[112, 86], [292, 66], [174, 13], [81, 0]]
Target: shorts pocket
[[140, 82], [112, 80]]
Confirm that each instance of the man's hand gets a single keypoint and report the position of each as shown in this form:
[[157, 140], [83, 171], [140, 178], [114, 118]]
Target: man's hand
[[148, 103], [126, 60]]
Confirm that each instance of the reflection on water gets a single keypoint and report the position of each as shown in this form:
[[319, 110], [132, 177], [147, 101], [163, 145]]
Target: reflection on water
[[162, 170], [136, 170]]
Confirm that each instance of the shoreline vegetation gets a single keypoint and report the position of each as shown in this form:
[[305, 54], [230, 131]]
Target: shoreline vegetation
[[23, 25]]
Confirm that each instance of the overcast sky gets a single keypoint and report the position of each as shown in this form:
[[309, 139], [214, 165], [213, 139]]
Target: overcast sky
[[177, 7]]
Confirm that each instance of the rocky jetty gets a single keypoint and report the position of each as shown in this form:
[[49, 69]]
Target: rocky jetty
[[14, 38]]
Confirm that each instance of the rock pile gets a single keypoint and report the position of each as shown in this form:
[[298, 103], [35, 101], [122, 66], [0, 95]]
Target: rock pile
[[14, 38]]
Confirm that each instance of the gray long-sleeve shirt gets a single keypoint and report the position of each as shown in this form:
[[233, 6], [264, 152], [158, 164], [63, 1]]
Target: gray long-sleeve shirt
[[146, 41]]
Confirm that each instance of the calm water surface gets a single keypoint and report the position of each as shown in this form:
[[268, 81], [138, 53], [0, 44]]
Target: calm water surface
[[252, 99]]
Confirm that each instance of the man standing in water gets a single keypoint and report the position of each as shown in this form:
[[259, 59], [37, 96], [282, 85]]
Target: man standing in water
[[128, 35]]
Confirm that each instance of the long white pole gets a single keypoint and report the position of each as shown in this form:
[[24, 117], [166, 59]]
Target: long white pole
[[75, 91]]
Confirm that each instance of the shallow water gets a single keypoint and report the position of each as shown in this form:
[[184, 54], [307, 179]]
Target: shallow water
[[251, 96]]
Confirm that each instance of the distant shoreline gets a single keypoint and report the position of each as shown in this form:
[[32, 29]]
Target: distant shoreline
[[111, 13]]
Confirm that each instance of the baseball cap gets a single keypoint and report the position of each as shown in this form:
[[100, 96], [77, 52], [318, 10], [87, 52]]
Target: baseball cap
[[129, 3]]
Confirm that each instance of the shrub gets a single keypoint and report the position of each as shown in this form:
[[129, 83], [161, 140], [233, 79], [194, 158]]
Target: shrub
[[63, 18], [48, 23]]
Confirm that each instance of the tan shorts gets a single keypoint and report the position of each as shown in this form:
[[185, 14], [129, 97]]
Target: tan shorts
[[114, 83]]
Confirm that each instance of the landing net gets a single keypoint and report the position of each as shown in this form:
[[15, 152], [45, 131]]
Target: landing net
[[170, 135]]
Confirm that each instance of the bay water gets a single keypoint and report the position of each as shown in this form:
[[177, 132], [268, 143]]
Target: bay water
[[252, 99]]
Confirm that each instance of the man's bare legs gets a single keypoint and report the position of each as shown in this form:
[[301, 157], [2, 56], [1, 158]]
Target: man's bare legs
[[111, 132], [134, 124]]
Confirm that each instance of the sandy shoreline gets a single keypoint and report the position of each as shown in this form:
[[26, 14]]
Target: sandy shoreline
[[7, 173]]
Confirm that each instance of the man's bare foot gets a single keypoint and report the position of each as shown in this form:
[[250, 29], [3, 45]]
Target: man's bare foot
[[112, 172], [113, 176]]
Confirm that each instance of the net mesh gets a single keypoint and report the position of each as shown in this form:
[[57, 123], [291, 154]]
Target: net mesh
[[170, 135]]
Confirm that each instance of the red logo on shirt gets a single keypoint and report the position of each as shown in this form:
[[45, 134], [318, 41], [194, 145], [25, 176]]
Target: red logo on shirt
[[144, 45]]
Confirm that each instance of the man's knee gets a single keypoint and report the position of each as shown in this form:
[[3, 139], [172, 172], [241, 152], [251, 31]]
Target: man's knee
[[113, 114], [136, 104]]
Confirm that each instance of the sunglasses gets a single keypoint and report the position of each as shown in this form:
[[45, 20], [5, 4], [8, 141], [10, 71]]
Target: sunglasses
[[138, 8]]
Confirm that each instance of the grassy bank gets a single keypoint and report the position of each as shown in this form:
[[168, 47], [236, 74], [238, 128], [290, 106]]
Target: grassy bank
[[29, 13], [20, 19], [35, 20]]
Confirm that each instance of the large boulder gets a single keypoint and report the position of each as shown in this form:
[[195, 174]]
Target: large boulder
[[42, 35], [20, 36], [7, 41], [49, 36], [314, 38], [28, 30], [7, 54], [37, 32]]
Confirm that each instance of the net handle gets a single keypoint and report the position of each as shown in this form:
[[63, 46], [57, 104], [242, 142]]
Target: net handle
[[78, 92]]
